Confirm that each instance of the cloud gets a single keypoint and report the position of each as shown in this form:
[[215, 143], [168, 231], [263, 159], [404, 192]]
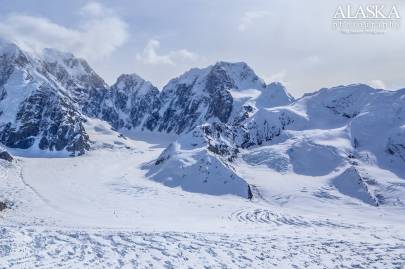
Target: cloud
[[313, 59], [250, 17], [150, 55], [99, 33], [94, 9], [379, 84], [277, 77]]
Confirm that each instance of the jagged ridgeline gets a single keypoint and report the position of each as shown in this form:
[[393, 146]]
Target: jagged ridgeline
[[45, 98]]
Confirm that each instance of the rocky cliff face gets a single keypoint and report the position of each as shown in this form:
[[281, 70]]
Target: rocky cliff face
[[48, 121], [130, 103], [36, 110], [78, 79], [203, 95]]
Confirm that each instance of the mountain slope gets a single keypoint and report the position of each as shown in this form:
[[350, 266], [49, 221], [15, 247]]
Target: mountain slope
[[201, 162]]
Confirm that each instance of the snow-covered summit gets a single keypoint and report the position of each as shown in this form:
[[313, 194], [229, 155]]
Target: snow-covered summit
[[241, 74], [75, 75], [8, 48], [76, 68], [214, 93], [130, 102], [237, 76], [132, 82]]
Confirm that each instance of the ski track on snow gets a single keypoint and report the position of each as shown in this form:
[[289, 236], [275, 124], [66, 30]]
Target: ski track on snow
[[265, 216], [108, 249], [33, 190]]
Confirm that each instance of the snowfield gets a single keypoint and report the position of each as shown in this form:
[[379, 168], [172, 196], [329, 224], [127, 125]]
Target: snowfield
[[101, 210]]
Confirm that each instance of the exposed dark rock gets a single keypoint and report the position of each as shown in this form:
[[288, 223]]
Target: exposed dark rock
[[220, 104], [85, 87], [3, 206], [130, 103], [50, 117], [396, 149], [250, 194], [49, 112], [4, 155]]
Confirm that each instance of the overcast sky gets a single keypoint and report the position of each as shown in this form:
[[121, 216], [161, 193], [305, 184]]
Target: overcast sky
[[288, 41]]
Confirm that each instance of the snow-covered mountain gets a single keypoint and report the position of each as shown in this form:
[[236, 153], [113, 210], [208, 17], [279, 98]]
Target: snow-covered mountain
[[46, 97], [201, 161], [215, 93], [78, 80], [226, 117], [208, 107], [351, 135], [130, 103], [36, 107]]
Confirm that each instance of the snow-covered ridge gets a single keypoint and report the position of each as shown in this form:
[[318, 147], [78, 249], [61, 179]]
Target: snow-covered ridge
[[214, 93], [56, 81]]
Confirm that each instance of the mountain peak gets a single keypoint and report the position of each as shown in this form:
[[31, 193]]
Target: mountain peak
[[75, 66], [225, 64], [12, 54], [71, 71], [354, 86], [8, 48], [54, 54], [275, 94], [241, 74], [134, 83], [236, 76], [130, 77]]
